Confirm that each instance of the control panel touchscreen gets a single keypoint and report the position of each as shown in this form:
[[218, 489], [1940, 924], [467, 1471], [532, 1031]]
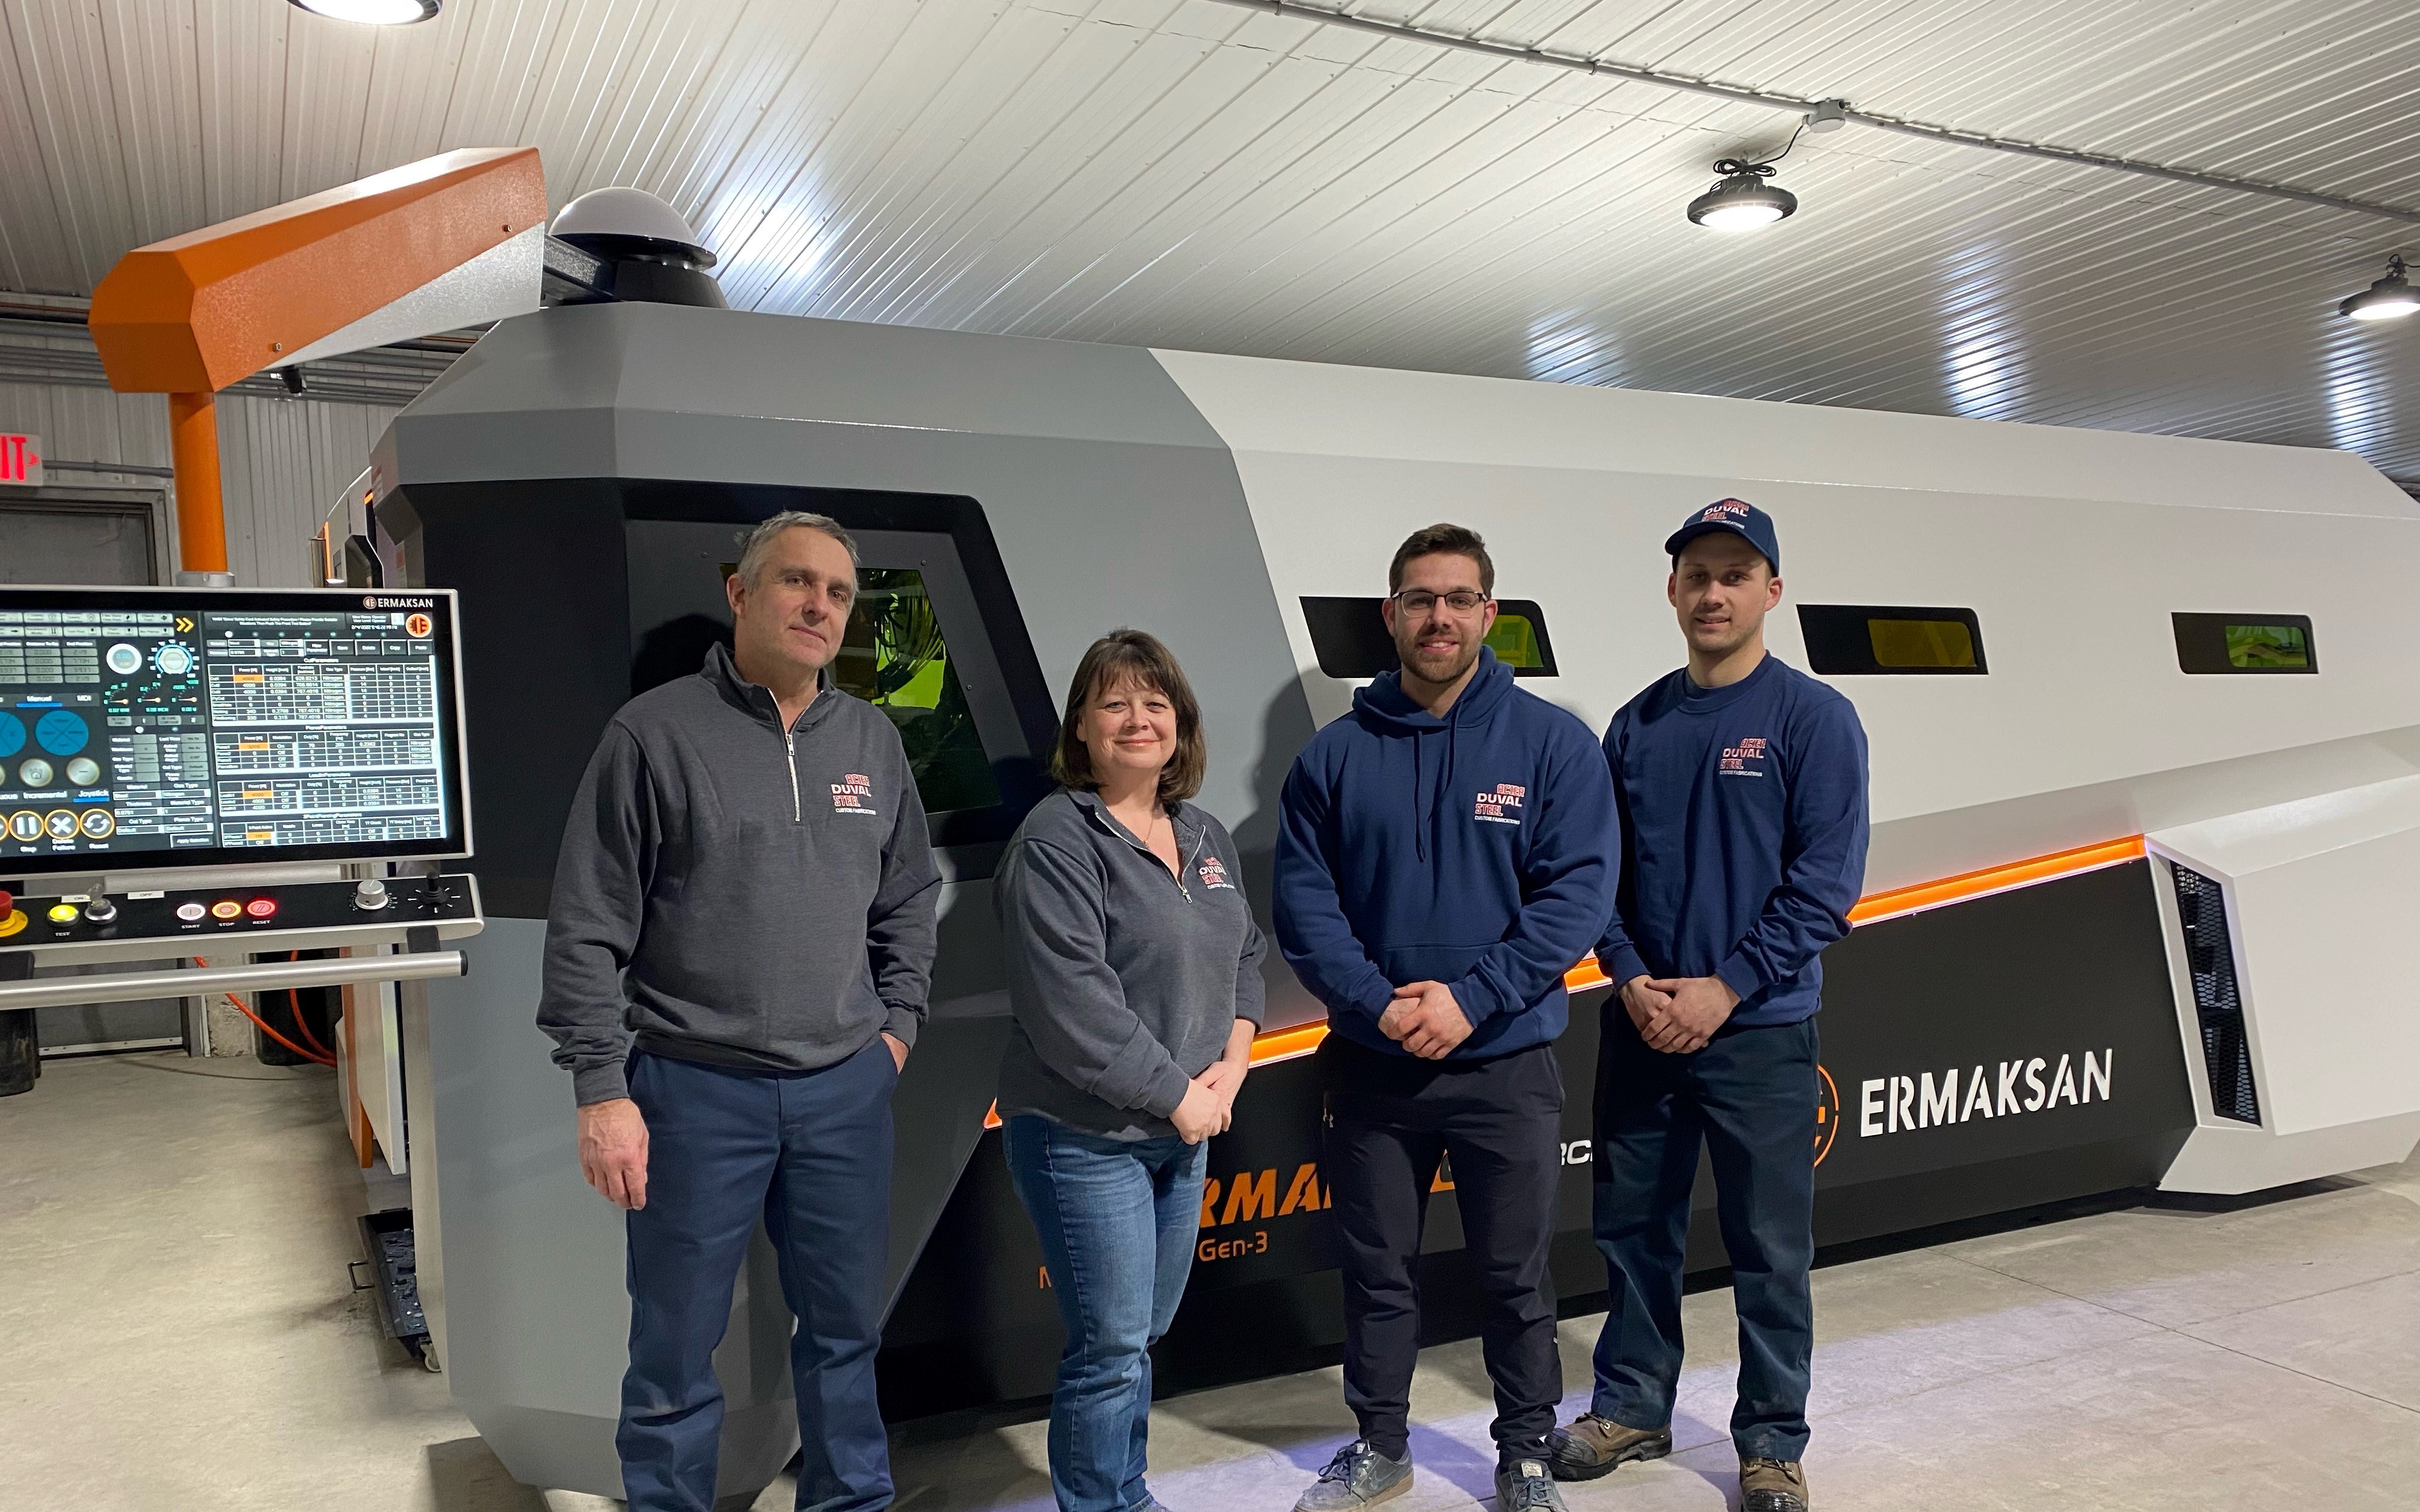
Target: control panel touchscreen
[[181, 727]]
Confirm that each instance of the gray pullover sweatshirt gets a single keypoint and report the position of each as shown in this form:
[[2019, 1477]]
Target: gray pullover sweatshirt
[[1125, 981], [735, 893]]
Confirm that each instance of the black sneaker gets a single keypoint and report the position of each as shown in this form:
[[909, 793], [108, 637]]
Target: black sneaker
[[1527, 1485], [1357, 1477]]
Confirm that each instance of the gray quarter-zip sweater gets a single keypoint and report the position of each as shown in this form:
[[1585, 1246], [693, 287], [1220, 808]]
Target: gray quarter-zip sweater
[[1125, 979], [732, 892]]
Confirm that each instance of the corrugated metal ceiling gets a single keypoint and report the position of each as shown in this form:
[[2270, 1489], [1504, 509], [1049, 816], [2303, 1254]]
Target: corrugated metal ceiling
[[1182, 172]]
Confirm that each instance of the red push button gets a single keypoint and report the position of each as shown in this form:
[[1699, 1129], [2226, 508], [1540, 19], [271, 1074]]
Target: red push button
[[227, 908], [261, 907]]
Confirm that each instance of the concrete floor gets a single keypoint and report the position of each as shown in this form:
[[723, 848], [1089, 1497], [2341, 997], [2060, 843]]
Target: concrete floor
[[176, 1331]]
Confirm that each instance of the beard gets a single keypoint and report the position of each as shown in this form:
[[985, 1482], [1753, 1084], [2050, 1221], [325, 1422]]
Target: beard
[[1438, 669]]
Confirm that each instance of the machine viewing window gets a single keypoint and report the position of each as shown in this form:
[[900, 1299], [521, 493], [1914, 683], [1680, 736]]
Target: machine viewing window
[[1351, 640], [142, 728], [920, 646], [1855, 639], [895, 656], [2246, 643]]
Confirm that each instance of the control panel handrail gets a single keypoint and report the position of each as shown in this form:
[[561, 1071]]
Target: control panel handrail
[[266, 976]]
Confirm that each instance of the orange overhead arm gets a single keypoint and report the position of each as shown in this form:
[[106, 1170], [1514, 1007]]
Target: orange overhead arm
[[189, 316]]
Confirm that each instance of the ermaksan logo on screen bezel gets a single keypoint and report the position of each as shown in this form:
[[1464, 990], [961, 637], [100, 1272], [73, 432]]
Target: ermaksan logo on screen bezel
[[399, 601]]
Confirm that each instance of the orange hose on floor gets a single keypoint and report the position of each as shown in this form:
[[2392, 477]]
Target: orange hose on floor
[[262, 1024], [294, 1004]]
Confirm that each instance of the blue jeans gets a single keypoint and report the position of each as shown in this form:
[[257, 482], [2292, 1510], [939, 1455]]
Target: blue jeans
[[1749, 1098], [808, 1153], [1118, 1221]]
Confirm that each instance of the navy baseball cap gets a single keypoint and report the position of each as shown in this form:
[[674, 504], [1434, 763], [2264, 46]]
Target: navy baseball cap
[[1736, 515]]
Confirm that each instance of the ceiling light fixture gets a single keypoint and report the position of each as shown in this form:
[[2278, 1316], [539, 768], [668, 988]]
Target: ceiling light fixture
[[2390, 298], [1742, 201], [371, 12]]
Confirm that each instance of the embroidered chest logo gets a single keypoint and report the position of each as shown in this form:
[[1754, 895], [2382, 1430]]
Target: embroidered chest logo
[[854, 793], [1746, 759], [1214, 873], [1501, 806]]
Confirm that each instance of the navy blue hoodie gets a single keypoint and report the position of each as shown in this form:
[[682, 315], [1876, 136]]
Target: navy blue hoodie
[[1477, 850], [1743, 835]]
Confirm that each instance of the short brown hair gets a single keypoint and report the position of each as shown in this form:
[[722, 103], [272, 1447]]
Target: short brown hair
[[1443, 540], [1119, 657]]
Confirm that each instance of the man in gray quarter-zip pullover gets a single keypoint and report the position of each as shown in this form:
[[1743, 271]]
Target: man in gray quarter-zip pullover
[[738, 958]]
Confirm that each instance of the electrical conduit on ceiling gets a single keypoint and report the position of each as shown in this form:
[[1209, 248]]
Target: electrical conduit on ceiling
[[1836, 109]]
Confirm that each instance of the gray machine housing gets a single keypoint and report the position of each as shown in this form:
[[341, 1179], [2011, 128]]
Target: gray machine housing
[[575, 474]]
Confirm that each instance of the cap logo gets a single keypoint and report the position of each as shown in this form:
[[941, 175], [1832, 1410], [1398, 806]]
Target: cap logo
[[1722, 513]]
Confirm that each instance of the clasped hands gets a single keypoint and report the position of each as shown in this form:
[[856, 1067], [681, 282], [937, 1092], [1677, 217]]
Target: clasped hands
[[1425, 1020], [1678, 1014], [1209, 1105]]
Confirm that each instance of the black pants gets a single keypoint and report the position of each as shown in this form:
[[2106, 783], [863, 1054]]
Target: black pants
[[1388, 1119], [1749, 1098]]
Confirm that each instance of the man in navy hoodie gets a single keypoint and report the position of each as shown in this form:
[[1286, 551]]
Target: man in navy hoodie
[[1742, 784], [1445, 854]]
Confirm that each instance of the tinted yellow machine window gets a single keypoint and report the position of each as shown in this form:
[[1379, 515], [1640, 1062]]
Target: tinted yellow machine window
[[1921, 642], [1514, 640]]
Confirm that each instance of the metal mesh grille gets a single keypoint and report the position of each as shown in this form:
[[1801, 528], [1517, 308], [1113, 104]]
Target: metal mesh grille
[[2209, 958]]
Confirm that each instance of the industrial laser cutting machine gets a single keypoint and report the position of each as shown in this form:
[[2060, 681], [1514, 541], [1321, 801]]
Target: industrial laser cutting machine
[[2146, 784]]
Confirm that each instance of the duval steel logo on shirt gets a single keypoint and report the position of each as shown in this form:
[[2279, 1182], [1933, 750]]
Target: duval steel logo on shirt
[[854, 793], [1736, 759], [1501, 807], [1214, 873]]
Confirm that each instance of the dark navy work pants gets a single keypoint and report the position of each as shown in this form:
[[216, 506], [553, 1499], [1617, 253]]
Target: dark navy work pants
[[1390, 1119], [809, 1154], [1749, 1098]]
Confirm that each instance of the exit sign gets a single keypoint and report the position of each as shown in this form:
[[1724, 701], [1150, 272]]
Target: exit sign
[[21, 459]]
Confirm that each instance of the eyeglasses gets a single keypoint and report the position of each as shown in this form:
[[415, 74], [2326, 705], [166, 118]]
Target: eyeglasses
[[1419, 601]]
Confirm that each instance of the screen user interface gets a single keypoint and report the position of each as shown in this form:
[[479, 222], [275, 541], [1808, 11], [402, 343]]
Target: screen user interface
[[158, 723]]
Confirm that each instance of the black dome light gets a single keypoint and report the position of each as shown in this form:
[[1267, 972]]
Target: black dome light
[[1741, 200], [2390, 298]]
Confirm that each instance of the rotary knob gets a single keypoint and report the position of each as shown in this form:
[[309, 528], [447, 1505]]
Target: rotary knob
[[370, 895], [99, 911]]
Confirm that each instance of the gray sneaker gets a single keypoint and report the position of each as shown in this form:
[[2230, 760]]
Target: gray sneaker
[[1358, 1476], [1527, 1485]]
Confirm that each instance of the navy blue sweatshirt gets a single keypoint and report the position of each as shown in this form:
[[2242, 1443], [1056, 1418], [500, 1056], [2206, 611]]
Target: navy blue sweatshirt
[[1743, 835], [1476, 850]]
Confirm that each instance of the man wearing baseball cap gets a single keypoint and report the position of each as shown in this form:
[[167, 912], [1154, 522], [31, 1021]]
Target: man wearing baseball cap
[[1741, 784]]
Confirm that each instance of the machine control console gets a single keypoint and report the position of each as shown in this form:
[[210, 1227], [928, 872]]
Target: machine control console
[[262, 918]]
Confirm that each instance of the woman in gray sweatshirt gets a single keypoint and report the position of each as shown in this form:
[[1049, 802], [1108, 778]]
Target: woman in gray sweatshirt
[[1134, 974]]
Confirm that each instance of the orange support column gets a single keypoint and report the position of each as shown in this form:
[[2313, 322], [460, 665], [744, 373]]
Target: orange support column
[[201, 516]]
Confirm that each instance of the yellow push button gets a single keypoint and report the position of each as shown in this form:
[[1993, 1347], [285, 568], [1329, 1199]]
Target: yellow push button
[[227, 908], [63, 913]]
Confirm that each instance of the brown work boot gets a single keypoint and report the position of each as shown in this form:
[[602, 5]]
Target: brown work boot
[[1594, 1447], [1772, 1485]]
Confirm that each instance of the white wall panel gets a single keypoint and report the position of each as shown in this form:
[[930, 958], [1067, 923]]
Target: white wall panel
[[281, 462]]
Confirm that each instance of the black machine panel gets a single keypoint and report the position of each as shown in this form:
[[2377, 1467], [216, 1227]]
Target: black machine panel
[[144, 727], [2057, 994], [251, 918]]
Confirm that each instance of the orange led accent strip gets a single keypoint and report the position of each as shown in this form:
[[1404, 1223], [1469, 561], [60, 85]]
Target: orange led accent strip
[[1293, 1043], [1967, 884]]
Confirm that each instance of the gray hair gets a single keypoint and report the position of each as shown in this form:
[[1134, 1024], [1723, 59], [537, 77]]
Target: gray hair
[[756, 543]]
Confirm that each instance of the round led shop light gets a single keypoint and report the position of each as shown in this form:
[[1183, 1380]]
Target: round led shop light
[[2390, 298], [371, 12], [1742, 201]]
